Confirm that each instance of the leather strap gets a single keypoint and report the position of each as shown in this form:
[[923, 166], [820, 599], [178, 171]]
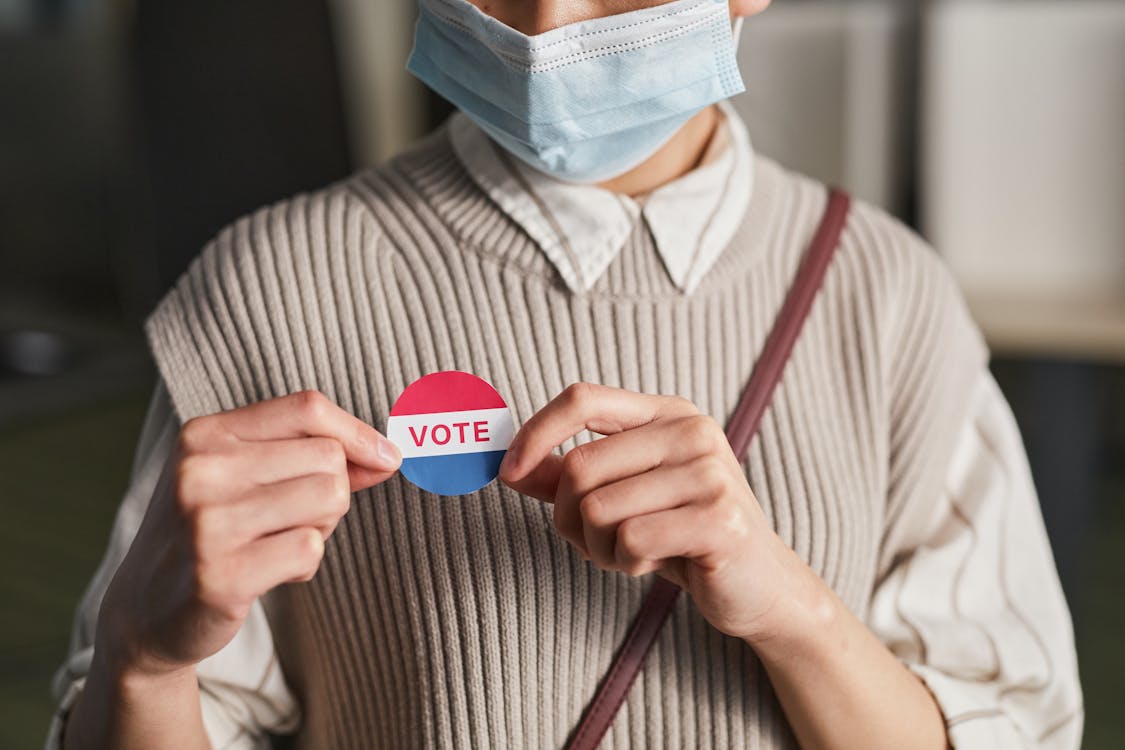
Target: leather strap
[[740, 432]]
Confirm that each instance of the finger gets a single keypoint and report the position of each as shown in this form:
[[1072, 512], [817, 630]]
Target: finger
[[219, 477], [265, 463], [598, 408], [361, 477], [311, 414], [229, 584], [695, 532], [613, 458], [317, 500], [542, 480], [277, 460], [292, 555], [603, 510]]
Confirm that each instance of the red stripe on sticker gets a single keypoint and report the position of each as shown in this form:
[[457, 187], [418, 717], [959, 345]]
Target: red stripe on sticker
[[451, 390]]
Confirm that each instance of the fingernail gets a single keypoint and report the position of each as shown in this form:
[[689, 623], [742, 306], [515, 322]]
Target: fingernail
[[508, 464], [388, 453]]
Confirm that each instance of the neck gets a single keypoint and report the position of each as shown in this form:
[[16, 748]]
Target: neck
[[675, 158]]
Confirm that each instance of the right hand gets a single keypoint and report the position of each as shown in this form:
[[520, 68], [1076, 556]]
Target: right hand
[[244, 505]]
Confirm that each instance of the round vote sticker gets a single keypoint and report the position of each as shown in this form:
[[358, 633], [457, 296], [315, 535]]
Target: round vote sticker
[[453, 430]]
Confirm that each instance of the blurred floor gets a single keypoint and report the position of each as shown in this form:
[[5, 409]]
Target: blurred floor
[[61, 479], [1100, 622]]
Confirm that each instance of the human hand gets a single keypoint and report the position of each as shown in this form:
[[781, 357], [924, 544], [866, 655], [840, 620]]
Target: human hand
[[244, 505], [661, 493]]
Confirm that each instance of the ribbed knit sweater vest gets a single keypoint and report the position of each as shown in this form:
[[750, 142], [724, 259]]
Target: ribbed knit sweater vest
[[467, 622]]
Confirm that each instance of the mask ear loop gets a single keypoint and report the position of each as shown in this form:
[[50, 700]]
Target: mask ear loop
[[736, 31]]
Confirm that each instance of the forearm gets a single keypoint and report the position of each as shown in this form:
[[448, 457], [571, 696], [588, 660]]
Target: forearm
[[838, 684], [121, 710]]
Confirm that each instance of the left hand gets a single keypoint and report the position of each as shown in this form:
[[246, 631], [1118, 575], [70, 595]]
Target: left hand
[[662, 492]]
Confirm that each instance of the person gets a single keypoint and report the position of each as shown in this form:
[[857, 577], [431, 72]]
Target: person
[[593, 234]]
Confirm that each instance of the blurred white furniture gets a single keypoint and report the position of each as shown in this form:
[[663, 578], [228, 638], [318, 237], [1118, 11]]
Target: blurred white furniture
[[825, 84], [385, 106], [1023, 184]]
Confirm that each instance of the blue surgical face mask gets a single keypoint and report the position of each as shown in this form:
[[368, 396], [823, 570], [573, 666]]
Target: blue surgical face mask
[[583, 102]]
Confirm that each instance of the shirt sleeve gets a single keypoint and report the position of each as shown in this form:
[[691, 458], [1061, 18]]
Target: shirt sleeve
[[243, 692], [976, 610]]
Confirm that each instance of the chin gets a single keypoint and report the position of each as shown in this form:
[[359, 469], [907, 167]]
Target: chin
[[749, 7]]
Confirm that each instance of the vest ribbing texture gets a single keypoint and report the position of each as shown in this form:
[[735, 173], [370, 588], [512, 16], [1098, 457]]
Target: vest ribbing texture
[[466, 622]]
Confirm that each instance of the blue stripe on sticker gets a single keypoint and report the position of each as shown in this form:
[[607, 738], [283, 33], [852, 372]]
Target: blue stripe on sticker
[[453, 474]]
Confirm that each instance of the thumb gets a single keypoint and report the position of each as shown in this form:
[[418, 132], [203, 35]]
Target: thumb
[[362, 477]]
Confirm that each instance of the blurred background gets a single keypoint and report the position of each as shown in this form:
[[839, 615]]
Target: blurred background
[[131, 132]]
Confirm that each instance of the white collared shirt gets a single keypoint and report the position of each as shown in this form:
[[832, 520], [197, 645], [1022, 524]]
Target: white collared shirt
[[581, 228]]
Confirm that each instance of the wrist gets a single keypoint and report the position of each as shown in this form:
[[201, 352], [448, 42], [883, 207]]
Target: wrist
[[126, 708], [133, 681], [122, 707], [804, 614], [124, 668]]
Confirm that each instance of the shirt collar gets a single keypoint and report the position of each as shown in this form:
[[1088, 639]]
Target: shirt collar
[[582, 228]]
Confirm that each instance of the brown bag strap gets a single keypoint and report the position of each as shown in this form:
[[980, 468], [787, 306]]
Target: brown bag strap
[[740, 432]]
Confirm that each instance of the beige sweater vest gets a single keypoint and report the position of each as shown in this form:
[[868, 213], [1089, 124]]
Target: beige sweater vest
[[466, 622]]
